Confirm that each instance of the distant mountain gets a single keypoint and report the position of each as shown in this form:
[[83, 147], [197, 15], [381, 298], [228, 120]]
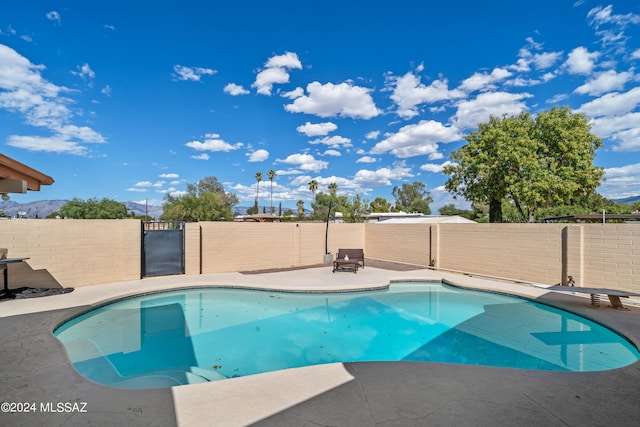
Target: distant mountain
[[631, 200], [43, 208]]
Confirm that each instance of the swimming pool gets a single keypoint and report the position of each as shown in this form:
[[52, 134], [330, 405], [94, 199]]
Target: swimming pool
[[207, 334]]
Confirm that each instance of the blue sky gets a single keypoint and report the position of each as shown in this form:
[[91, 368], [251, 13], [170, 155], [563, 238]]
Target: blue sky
[[132, 100]]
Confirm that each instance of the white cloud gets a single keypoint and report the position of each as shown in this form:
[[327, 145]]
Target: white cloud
[[635, 54], [85, 72], [605, 82], [276, 72], [409, 93], [317, 129], [417, 140], [334, 153], [382, 176], [373, 134], [484, 81], [191, 74], [203, 156], [330, 100], [258, 156], [614, 103], [169, 175], [212, 142], [333, 141], [54, 16], [540, 61], [621, 182], [47, 144], [305, 162], [628, 140], [435, 168], [24, 91], [478, 110], [235, 90], [106, 90], [366, 159], [580, 61], [603, 15]]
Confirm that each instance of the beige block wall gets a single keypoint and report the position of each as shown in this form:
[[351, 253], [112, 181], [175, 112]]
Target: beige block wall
[[87, 252], [529, 252], [612, 256], [258, 246], [408, 243], [76, 252]]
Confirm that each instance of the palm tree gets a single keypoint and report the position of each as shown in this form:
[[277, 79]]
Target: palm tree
[[333, 188], [313, 186], [300, 208], [271, 174], [258, 178]]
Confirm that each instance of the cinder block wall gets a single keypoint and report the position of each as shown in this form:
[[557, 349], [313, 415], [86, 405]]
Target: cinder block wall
[[408, 243], [257, 246], [87, 252], [611, 256], [76, 252], [530, 252]]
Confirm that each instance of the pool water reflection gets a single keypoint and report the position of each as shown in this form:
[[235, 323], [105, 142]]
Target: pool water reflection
[[207, 334]]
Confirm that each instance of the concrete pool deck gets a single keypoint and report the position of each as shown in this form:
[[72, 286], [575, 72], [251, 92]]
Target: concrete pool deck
[[36, 371]]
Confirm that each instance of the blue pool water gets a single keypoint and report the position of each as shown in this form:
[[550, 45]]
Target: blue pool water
[[208, 334]]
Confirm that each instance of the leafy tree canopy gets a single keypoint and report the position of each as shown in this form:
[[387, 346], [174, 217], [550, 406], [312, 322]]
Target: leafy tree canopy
[[93, 209], [204, 201], [379, 205], [532, 162], [412, 198]]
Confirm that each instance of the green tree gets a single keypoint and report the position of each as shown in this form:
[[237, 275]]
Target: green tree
[[300, 206], [313, 187], [530, 162], [271, 175], [93, 209], [380, 204], [333, 188], [205, 201], [412, 198], [356, 209]]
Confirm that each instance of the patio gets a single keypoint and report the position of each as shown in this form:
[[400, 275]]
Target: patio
[[36, 370]]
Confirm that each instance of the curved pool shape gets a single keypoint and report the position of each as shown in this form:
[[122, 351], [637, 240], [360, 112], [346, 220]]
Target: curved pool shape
[[206, 334]]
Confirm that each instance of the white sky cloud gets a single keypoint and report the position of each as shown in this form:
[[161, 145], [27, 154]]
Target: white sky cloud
[[23, 90], [615, 103], [191, 74], [317, 129], [276, 71], [258, 156], [169, 175], [331, 100], [235, 90], [212, 142], [409, 93], [483, 81], [54, 16], [434, 167], [417, 140], [605, 82], [382, 176], [335, 141], [478, 110], [621, 182], [366, 159], [581, 61], [305, 162]]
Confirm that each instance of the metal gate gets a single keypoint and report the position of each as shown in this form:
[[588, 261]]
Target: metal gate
[[162, 248]]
